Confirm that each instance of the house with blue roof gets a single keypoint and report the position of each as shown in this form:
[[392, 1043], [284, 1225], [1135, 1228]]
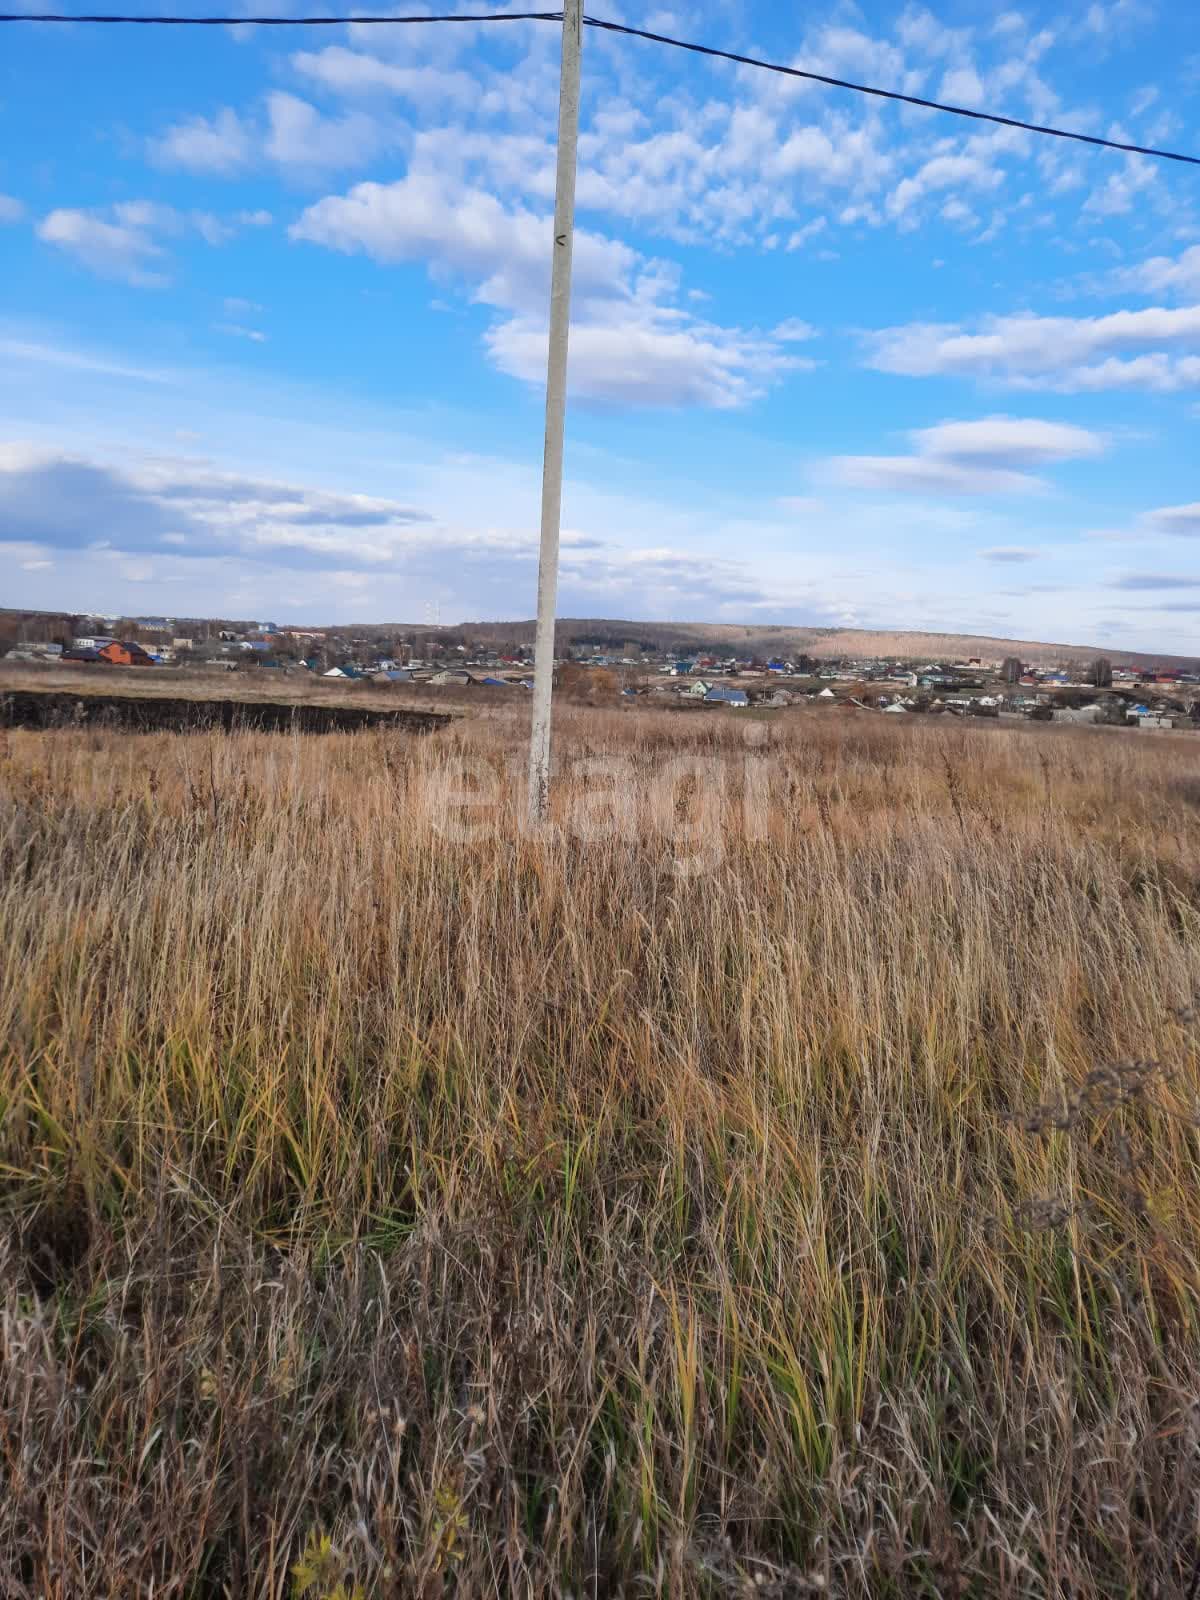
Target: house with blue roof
[[722, 695]]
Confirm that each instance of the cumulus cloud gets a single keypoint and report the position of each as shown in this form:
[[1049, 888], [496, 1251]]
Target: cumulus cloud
[[470, 232], [1123, 189], [221, 144], [747, 166], [794, 331], [638, 359], [182, 521], [125, 240], [993, 455], [290, 132], [11, 209], [1149, 349], [355, 72], [162, 516], [1106, 18], [59, 500], [112, 249], [631, 342], [946, 171], [1173, 275], [298, 135]]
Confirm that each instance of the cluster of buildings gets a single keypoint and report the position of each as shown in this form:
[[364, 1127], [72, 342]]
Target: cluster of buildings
[[1120, 694], [1167, 698]]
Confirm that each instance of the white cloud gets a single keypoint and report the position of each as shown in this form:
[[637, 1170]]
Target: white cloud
[[926, 475], [630, 341], [291, 133], [112, 249], [222, 144], [1106, 18], [236, 331], [736, 168], [961, 86], [993, 455], [1008, 441], [69, 501], [970, 168], [794, 331], [743, 165], [1181, 520], [467, 231], [354, 72], [799, 237], [125, 240], [1178, 275], [32, 354], [1009, 553], [1151, 580], [11, 209], [635, 358], [1148, 349], [298, 135], [1123, 189], [181, 521]]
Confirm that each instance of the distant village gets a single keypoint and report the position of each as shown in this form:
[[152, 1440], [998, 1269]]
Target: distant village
[[1099, 691]]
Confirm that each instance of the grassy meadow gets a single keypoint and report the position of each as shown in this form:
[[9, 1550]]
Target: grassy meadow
[[788, 1188]]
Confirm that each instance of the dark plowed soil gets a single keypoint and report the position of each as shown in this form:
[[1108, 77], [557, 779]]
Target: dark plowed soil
[[24, 708]]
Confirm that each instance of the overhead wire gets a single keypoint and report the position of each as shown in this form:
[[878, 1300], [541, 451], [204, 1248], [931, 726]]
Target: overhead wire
[[280, 22], [893, 94], [1125, 147]]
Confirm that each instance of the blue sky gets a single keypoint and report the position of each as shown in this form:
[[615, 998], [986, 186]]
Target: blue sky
[[273, 330]]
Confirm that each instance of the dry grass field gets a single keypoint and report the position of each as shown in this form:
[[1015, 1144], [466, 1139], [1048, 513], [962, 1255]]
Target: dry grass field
[[249, 684], [787, 1185]]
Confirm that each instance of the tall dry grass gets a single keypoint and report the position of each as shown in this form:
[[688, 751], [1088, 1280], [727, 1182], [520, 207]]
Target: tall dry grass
[[392, 1215]]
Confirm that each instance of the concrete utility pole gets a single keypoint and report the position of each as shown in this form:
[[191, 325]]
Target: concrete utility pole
[[556, 407]]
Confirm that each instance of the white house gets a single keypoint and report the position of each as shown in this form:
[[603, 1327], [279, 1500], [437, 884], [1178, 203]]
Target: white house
[[722, 695]]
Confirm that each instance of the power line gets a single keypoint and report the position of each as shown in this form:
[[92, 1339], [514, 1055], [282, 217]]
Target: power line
[[282, 22], [712, 51], [894, 94]]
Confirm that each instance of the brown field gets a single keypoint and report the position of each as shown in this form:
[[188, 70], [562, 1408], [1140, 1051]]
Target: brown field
[[779, 1195], [248, 684]]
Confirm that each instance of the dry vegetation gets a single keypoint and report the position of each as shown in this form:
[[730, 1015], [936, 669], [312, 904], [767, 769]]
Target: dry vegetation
[[390, 1216], [193, 683], [768, 639]]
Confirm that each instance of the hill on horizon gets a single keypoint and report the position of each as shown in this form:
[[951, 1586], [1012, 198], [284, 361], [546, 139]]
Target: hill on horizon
[[781, 639], [611, 634]]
